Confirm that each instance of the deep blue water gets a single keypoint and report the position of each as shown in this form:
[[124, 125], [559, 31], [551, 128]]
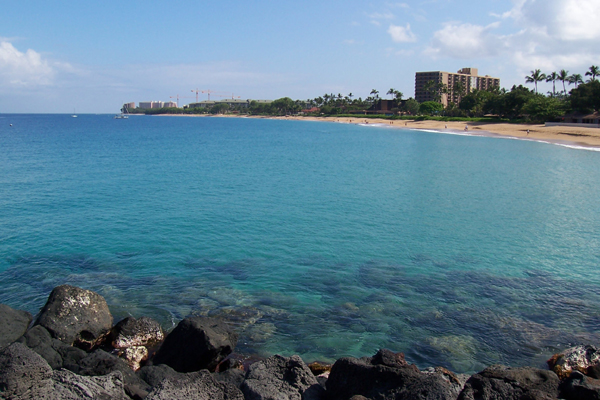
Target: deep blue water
[[312, 238]]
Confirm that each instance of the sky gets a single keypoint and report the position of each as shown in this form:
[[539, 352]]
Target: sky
[[91, 57]]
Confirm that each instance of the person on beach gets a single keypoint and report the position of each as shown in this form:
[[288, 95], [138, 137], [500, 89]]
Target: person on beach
[[527, 132], [466, 128]]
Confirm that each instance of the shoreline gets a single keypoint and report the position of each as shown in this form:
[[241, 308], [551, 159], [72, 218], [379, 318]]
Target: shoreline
[[567, 136], [74, 343]]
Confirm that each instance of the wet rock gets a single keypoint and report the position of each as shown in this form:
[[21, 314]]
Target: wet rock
[[585, 359], [386, 376], [281, 377], [39, 340], [455, 381], [134, 356], [390, 359], [13, 324], [194, 386], [318, 368], [233, 376], [500, 382], [580, 387], [100, 362], [75, 316], [23, 371], [70, 386], [136, 332], [26, 375], [196, 343], [155, 374], [71, 356], [131, 336]]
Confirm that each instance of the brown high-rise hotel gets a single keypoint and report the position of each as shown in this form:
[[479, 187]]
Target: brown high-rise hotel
[[465, 79]]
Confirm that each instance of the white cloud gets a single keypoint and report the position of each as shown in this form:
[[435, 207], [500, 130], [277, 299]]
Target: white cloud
[[565, 20], [552, 35], [558, 34], [23, 69], [465, 41], [401, 34]]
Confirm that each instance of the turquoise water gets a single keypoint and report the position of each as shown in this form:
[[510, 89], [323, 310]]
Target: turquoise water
[[311, 238]]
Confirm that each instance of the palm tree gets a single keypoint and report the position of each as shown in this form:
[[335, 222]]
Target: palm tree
[[563, 75], [375, 93], [392, 92], [593, 72], [535, 77], [553, 77], [435, 89], [458, 89], [575, 79]]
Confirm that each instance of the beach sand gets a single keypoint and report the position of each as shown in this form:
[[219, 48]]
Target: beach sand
[[577, 136], [565, 135]]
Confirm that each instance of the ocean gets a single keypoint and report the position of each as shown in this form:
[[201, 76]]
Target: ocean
[[318, 239]]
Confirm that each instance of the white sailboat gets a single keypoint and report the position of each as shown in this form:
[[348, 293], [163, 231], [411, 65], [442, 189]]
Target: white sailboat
[[124, 115], [74, 115]]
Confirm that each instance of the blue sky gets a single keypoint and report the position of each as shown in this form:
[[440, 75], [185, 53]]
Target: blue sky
[[94, 56]]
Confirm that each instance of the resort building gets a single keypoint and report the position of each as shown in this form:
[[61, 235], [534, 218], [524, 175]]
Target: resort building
[[448, 87], [170, 104], [151, 104], [579, 120], [129, 106]]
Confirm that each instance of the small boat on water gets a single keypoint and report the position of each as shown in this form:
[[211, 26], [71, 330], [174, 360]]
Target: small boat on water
[[123, 115]]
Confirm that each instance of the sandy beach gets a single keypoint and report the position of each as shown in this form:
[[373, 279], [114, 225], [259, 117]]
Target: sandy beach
[[565, 135], [578, 136]]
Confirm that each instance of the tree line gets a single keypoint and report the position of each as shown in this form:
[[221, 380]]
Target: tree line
[[521, 102], [518, 103]]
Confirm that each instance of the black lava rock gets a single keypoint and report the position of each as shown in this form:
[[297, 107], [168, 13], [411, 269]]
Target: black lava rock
[[196, 343], [75, 316], [13, 324]]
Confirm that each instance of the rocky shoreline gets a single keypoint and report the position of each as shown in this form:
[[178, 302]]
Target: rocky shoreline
[[72, 350]]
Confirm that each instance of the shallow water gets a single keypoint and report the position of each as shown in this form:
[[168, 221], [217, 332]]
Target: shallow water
[[318, 239]]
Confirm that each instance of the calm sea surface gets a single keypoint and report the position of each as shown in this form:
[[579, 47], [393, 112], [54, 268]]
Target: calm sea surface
[[318, 239]]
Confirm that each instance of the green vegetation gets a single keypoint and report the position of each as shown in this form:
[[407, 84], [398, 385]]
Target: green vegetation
[[519, 104], [431, 108]]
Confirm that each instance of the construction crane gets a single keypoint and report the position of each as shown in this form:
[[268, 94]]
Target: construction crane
[[232, 96], [218, 94], [181, 97], [199, 91], [208, 91]]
